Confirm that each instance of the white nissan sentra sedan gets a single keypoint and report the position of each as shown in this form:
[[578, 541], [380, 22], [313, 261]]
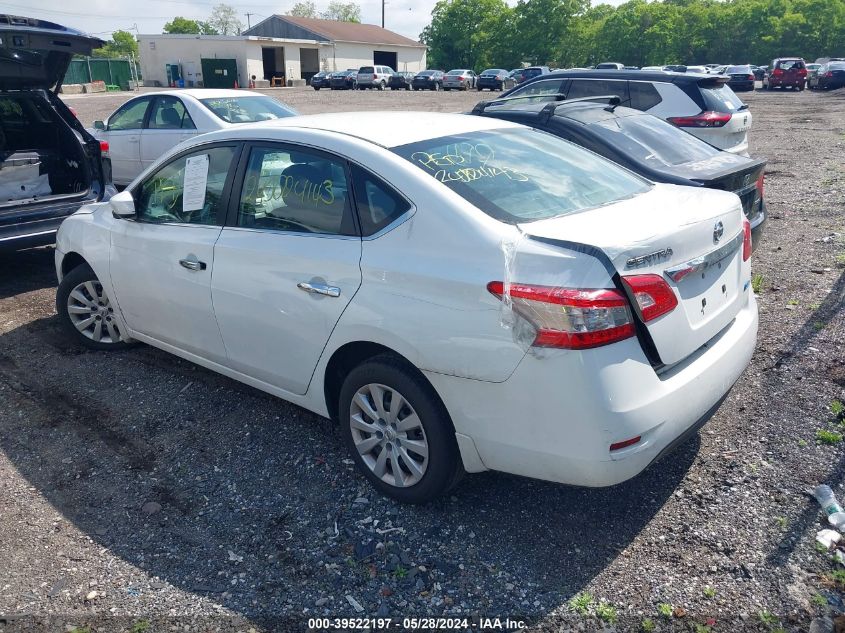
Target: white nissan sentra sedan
[[459, 293]]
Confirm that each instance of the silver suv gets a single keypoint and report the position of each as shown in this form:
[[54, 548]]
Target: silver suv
[[374, 77]]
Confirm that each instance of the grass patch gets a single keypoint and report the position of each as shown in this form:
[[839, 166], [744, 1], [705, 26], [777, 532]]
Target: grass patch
[[757, 283], [781, 521], [400, 572], [648, 626], [828, 438], [767, 618], [818, 326], [581, 603], [607, 612], [837, 408], [815, 306], [141, 626], [709, 592], [792, 302], [802, 443], [819, 600], [665, 609]]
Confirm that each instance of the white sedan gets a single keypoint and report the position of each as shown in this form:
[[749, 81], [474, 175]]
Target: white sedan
[[140, 131], [458, 293]]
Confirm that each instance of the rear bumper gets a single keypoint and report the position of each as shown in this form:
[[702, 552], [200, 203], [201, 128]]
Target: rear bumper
[[557, 415], [757, 225], [741, 85]]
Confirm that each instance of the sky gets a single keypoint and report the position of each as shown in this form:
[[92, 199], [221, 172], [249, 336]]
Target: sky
[[102, 17]]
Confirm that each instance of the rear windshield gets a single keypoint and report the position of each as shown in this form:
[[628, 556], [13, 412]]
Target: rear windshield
[[653, 140], [531, 72], [456, 72], [366, 69], [791, 64], [522, 175], [738, 70], [836, 66], [493, 71], [426, 73], [721, 99], [247, 109]]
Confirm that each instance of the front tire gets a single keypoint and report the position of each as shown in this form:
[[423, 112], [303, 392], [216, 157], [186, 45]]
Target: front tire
[[86, 312], [398, 431]]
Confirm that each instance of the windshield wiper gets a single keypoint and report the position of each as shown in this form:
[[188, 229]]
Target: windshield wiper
[[744, 106]]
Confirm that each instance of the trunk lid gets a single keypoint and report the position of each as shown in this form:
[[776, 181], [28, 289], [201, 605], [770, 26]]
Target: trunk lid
[[35, 54], [669, 229]]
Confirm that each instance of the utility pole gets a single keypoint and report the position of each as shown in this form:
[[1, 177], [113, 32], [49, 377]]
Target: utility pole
[[248, 26], [382, 13]]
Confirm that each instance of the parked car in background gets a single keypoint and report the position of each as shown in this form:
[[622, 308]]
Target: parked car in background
[[460, 79], [610, 66], [321, 80], [786, 72], [378, 297], [812, 70], [829, 76], [344, 80], [373, 77], [50, 165], [741, 77], [704, 105], [147, 126], [531, 72], [428, 80], [653, 68], [495, 79], [645, 144], [400, 80], [824, 60], [758, 72], [697, 69]]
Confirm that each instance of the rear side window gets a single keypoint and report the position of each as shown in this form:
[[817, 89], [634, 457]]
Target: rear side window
[[653, 141], [644, 96], [721, 99], [594, 88], [169, 113], [378, 204]]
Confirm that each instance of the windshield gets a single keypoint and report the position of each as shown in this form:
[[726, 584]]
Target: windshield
[[522, 175], [247, 109], [653, 140], [721, 99]]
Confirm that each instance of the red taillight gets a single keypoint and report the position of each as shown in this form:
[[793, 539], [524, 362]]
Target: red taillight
[[570, 318], [104, 147], [750, 77], [746, 239], [625, 444], [705, 119], [73, 112], [802, 72], [777, 72], [828, 74], [760, 182], [653, 295]]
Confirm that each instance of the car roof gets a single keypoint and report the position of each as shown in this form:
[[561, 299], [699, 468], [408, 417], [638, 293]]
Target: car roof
[[640, 75], [204, 93], [388, 129], [584, 112]]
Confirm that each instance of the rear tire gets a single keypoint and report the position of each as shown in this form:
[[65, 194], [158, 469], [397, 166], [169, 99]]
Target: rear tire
[[86, 313], [391, 418]]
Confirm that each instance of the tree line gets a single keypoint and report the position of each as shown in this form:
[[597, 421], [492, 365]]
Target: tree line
[[483, 34]]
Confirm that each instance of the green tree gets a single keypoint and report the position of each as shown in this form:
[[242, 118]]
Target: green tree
[[224, 20], [543, 29], [342, 11], [121, 44], [304, 9], [463, 33], [184, 25]]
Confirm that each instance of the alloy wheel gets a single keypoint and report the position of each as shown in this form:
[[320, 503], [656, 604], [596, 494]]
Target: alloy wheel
[[388, 435], [91, 313]]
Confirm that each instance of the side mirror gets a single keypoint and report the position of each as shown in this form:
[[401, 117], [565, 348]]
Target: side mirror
[[123, 205], [99, 125]]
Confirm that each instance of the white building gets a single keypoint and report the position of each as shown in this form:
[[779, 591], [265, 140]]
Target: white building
[[280, 50]]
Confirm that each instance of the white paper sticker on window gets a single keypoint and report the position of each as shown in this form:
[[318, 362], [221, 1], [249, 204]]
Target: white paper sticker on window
[[194, 184]]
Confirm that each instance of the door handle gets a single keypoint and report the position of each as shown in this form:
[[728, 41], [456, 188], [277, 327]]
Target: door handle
[[192, 264], [133, 139], [319, 289]]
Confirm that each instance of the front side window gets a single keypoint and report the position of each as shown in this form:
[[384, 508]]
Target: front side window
[[130, 116], [296, 191], [247, 109], [169, 113], [522, 175], [188, 190]]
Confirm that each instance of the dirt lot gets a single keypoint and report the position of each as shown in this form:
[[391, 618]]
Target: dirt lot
[[135, 485]]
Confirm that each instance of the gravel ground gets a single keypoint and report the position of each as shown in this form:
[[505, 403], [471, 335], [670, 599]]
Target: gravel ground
[[137, 485]]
